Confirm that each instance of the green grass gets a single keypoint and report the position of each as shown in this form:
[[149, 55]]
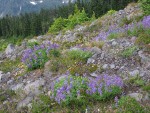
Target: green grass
[[8, 65], [115, 36], [6, 94], [128, 52], [129, 105]]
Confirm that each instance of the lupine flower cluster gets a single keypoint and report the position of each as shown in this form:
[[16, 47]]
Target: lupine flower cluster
[[146, 22], [74, 87], [68, 89], [37, 56], [103, 83], [124, 29], [114, 29]]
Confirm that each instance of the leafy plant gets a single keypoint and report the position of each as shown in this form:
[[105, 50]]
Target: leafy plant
[[137, 80], [129, 51], [129, 105], [79, 55], [146, 87], [115, 35]]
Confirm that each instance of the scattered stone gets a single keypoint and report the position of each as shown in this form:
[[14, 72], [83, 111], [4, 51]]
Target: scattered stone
[[90, 60], [136, 96], [94, 75], [114, 43], [135, 73], [105, 66]]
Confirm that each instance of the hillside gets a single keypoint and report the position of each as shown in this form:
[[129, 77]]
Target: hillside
[[81, 65], [16, 7]]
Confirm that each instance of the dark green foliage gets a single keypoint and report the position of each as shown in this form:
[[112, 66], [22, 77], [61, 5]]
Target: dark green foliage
[[64, 24], [58, 25]]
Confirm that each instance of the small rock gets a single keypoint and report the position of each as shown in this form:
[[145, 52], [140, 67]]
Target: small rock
[[90, 60], [94, 75], [136, 96], [24, 102], [105, 66], [114, 43], [32, 40], [39, 37], [49, 93], [112, 66], [135, 73], [102, 55], [96, 50], [10, 82]]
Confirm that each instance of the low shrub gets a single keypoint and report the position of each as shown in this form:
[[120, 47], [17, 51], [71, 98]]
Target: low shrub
[[129, 105], [115, 36], [137, 81], [79, 55], [80, 68], [128, 52], [9, 65]]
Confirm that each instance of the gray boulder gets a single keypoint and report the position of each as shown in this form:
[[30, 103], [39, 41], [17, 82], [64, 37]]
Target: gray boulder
[[136, 96], [10, 49], [33, 87]]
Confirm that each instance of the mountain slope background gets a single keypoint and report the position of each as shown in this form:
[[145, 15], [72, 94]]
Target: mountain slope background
[[16, 7]]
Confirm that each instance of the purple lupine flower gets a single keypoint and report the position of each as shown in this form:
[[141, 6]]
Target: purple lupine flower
[[146, 22]]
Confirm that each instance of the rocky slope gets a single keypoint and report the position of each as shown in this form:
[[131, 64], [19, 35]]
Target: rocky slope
[[119, 56]]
